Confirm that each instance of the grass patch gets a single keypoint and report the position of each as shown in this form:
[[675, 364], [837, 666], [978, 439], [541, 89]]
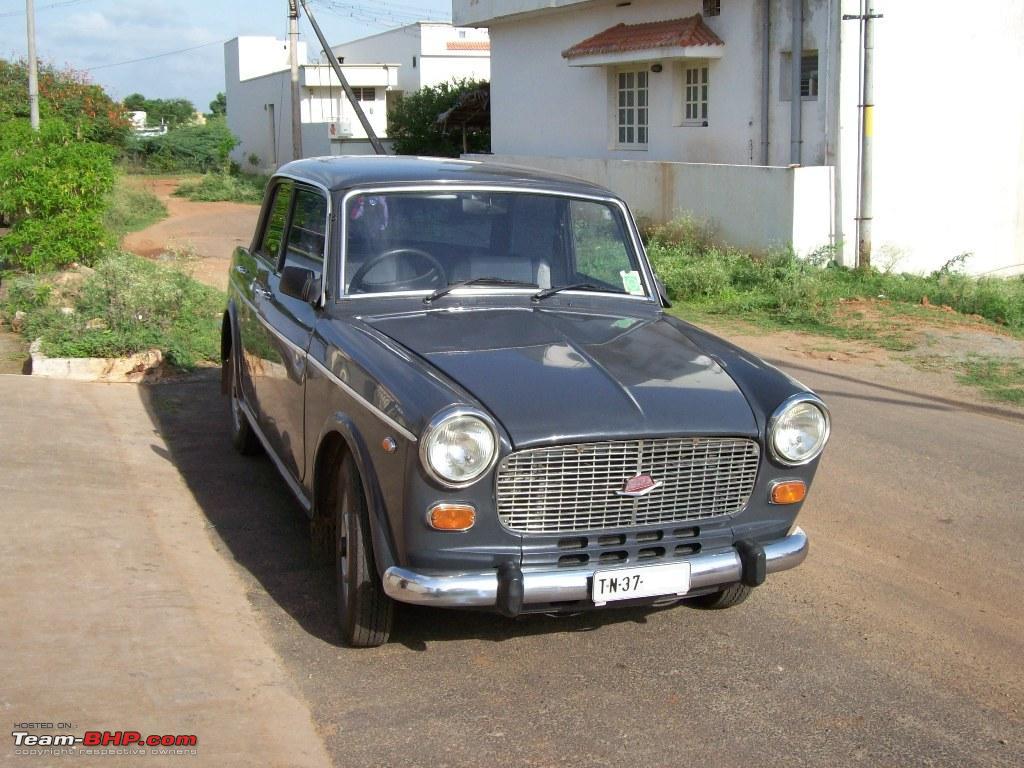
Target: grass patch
[[127, 304], [998, 378], [814, 294], [132, 207], [232, 187]]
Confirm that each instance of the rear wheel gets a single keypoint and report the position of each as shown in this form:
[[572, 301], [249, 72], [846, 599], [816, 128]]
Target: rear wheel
[[365, 613], [243, 437], [727, 598]]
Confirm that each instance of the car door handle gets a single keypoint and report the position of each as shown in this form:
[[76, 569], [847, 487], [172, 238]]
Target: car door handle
[[259, 289], [241, 270]]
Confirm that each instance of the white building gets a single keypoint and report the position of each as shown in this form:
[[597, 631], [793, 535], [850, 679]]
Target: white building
[[258, 91], [685, 105], [430, 53], [379, 68]]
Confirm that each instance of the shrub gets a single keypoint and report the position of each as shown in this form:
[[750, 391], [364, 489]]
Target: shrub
[[413, 122], [53, 189], [67, 95], [236, 187], [808, 290], [127, 305], [201, 148]]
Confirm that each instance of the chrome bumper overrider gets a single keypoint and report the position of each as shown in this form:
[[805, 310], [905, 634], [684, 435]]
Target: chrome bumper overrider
[[480, 589]]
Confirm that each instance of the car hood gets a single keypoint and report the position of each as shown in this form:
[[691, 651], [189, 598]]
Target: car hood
[[568, 376]]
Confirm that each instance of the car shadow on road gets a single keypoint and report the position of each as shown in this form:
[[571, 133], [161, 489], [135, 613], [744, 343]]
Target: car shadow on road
[[265, 530]]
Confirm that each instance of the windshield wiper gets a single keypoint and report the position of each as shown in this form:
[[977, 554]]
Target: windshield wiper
[[475, 281], [574, 287]]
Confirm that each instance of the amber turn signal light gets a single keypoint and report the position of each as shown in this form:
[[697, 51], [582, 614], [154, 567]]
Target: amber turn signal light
[[451, 517], [788, 492]]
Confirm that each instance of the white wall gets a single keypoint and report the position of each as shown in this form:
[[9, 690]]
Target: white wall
[[396, 45], [422, 51], [537, 95], [948, 135], [753, 207], [251, 102]]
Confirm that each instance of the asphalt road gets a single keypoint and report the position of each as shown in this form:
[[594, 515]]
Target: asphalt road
[[898, 643]]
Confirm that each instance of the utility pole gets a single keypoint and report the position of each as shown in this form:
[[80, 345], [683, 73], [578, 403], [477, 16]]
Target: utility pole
[[867, 110], [293, 58], [370, 133], [33, 65]]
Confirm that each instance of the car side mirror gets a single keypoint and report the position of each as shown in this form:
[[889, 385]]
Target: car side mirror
[[662, 293], [301, 284]]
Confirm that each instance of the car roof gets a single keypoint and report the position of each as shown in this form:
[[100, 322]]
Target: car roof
[[346, 172]]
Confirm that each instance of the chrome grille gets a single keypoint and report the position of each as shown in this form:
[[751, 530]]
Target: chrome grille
[[576, 487]]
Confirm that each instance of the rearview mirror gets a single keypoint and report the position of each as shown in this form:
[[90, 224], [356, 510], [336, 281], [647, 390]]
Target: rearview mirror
[[301, 284]]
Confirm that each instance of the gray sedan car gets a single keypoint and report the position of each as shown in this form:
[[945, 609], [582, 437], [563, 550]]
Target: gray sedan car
[[466, 375]]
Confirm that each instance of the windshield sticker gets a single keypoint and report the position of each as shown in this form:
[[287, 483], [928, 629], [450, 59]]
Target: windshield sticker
[[631, 282]]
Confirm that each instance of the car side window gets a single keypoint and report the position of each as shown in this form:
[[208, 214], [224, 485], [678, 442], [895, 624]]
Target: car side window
[[306, 234], [277, 217], [599, 244]]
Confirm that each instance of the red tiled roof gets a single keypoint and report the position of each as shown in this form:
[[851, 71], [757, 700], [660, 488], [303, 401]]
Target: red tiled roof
[[673, 33], [469, 45]]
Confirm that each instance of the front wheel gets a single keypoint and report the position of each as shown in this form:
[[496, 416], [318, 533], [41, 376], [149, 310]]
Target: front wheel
[[727, 598], [365, 613]]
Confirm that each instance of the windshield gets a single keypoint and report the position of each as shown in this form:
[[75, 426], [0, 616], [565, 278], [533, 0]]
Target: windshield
[[428, 241]]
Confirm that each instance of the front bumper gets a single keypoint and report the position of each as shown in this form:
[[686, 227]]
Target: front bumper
[[491, 588]]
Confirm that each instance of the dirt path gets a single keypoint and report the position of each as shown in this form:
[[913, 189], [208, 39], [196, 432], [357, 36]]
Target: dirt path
[[210, 231]]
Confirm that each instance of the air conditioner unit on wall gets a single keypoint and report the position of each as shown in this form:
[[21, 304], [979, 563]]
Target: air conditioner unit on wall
[[341, 129]]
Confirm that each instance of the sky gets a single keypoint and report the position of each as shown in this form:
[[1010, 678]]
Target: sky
[[94, 34]]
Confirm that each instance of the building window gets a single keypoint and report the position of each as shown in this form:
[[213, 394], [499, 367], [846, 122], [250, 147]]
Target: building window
[[695, 95], [712, 7], [631, 123], [808, 76], [365, 94]]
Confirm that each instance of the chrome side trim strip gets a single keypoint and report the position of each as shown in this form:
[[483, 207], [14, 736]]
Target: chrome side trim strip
[[362, 400], [480, 589], [295, 488]]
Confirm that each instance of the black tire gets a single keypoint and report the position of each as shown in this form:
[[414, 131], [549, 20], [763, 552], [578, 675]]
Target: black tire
[[365, 613], [243, 436], [727, 598]]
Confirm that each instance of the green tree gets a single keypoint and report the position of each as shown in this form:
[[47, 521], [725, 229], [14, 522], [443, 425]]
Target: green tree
[[170, 112], [67, 95], [412, 123], [134, 102], [54, 188], [219, 106]]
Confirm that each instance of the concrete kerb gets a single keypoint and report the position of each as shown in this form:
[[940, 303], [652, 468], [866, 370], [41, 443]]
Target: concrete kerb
[[141, 368]]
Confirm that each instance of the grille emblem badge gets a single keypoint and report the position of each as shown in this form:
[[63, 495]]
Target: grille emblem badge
[[640, 485]]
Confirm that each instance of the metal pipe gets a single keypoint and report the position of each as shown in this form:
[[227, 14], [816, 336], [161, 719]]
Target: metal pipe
[[33, 65], [378, 148], [866, 140], [796, 105], [293, 60], [766, 55]]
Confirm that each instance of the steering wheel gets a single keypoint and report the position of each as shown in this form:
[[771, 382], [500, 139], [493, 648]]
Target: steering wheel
[[434, 277]]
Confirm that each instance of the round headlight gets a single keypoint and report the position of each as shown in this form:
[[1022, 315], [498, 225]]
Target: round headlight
[[458, 447], [799, 430]]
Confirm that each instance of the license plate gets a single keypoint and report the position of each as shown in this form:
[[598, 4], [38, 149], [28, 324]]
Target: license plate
[[645, 581]]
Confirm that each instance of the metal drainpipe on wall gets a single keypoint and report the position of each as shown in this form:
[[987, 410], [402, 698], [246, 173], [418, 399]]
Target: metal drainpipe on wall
[[796, 64], [766, 56]]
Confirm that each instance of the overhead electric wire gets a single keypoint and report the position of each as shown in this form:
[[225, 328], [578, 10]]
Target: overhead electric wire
[[154, 56], [63, 4]]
